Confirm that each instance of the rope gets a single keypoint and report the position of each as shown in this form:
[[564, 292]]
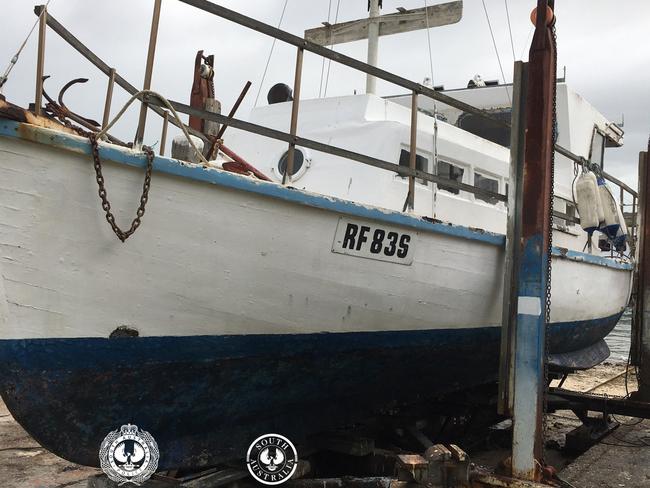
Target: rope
[[329, 61], [168, 105], [496, 49], [268, 60], [322, 66], [14, 60], [512, 43]]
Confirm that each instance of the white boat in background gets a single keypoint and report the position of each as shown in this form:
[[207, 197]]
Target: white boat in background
[[244, 306]]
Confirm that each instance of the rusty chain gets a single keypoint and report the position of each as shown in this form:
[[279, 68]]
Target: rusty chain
[[549, 253], [103, 195]]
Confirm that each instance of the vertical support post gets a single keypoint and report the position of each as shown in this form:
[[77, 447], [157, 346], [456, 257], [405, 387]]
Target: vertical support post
[[163, 136], [513, 238], [413, 149], [40, 61], [295, 106], [373, 44], [153, 36], [530, 334], [641, 324], [109, 98], [622, 201]]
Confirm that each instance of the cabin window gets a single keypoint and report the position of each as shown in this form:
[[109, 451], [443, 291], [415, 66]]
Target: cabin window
[[486, 183], [487, 128], [597, 148], [452, 172], [421, 163]]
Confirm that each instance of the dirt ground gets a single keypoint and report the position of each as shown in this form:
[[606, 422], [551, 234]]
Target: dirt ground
[[622, 460]]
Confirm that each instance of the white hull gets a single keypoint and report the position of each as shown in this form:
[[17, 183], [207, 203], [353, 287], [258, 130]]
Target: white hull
[[210, 259]]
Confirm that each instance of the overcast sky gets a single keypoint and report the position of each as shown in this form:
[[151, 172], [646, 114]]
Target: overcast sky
[[603, 44]]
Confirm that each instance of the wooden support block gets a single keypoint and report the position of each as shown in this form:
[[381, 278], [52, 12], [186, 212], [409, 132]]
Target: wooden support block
[[412, 467]]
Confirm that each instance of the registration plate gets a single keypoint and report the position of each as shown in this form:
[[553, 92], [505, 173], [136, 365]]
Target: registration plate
[[368, 240]]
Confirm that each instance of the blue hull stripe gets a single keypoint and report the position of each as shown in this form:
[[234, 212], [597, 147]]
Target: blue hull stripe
[[10, 128]]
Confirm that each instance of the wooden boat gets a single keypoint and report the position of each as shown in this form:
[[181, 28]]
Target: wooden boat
[[243, 306]]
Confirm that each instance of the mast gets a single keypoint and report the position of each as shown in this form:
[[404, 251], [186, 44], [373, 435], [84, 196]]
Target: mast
[[376, 25], [374, 10]]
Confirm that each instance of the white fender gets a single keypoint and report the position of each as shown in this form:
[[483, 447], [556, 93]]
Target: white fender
[[588, 201], [612, 222], [599, 201]]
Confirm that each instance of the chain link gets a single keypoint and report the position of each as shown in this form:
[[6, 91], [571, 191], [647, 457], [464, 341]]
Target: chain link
[[549, 249], [103, 195]]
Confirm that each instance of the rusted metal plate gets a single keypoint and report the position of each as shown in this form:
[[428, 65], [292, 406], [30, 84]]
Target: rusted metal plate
[[530, 349]]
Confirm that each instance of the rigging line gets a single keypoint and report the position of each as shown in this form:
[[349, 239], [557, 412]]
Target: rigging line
[[322, 66], [268, 60], [530, 32], [435, 108], [512, 43], [14, 60], [496, 49], [329, 61]]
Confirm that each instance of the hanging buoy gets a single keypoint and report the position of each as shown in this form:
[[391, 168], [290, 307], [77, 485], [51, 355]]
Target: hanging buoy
[[549, 15], [588, 202], [611, 223]]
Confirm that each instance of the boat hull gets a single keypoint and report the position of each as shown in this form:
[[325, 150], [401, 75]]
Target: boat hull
[[246, 317], [206, 398]]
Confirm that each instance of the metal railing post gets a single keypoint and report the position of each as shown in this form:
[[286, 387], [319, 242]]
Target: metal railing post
[[163, 136], [109, 98], [288, 172], [40, 61], [153, 36], [413, 149]]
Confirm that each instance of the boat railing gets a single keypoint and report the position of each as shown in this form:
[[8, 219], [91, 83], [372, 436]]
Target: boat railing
[[291, 138]]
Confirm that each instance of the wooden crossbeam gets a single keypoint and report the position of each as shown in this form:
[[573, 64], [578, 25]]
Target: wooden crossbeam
[[401, 21]]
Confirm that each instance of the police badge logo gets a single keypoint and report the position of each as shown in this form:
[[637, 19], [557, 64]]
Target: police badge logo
[[129, 455], [272, 459]]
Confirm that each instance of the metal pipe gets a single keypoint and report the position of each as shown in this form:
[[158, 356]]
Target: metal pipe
[[234, 108], [163, 136], [40, 61], [109, 98], [212, 154], [373, 43], [288, 172], [271, 31], [413, 149], [153, 36]]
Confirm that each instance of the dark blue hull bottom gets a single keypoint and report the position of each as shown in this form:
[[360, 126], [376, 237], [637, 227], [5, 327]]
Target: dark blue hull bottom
[[205, 398]]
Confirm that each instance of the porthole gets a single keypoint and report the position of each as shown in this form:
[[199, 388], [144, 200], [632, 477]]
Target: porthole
[[301, 161]]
